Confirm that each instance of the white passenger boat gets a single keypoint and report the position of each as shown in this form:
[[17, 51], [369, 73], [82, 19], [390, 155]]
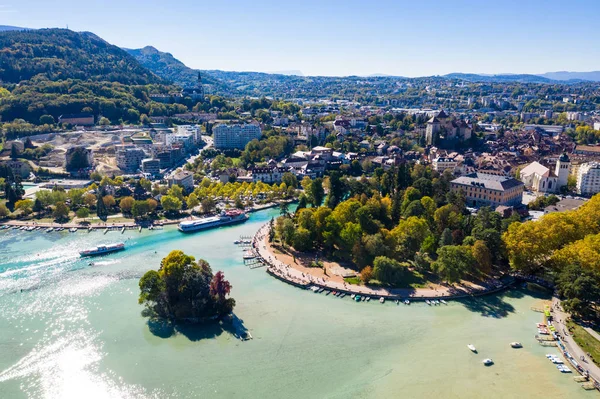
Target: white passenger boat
[[224, 219], [103, 249]]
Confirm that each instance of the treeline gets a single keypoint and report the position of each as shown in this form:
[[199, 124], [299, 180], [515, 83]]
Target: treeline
[[565, 245], [408, 216], [60, 54]]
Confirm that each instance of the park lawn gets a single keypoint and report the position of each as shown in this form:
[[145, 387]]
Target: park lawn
[[413, 280], [585, 341]]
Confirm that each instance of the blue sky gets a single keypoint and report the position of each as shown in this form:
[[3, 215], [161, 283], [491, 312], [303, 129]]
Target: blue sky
[[351, 37]]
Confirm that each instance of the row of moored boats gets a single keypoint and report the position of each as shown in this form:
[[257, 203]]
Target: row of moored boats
[[366, 298], [37, 228]]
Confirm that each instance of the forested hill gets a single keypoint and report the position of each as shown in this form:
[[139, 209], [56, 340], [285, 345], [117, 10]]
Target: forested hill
[[170, 68], [59, 54]]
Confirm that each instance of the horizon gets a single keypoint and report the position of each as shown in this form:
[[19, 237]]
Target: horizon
[[401, 39]]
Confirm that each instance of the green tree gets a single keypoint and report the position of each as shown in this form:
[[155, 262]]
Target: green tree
[[302, 240], [4, 212], [140, 208], [170, 203], [453, 263], [47, 120], [83, 213], [126, 205], [61, 212], [389, 271]]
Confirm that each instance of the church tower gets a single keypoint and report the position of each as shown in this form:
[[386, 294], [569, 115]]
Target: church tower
[[563, 168]]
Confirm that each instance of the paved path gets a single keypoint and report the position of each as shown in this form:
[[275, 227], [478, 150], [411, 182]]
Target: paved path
[[560, 317]]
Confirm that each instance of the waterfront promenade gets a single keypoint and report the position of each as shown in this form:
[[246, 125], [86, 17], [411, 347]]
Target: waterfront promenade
[[283, 267]]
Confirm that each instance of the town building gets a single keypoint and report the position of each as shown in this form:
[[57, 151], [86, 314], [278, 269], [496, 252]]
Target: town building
[[77, 119], [588, 178], [481, 189], [440, 164], [129, 159], [235, 136], [191, 130], [442, 127], [268, 174], [539, 178], [183, 178], [20, 168], [151, 166]]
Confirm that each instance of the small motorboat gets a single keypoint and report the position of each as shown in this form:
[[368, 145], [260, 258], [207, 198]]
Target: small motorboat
[[368, 298], [516, 345], [328, 292], [364, 298], [357, 298], [343, 295], [237, 242], [50, 230], [352, 296], [381, 300], [427, 301], [444, 302], [72, 229], [472, 348], [406, 302], [397, 302], [488, 362], [563, 369]]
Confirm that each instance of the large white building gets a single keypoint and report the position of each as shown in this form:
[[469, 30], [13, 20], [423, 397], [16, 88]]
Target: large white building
[[193, 130], [588, 178], [235, 136], [539, 178]]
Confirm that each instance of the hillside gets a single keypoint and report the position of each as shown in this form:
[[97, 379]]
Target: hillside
[[170, 68], [593, 76], [58, 54], [521, 78]]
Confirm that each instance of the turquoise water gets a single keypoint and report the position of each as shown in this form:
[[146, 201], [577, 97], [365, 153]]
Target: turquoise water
[[69, 330]]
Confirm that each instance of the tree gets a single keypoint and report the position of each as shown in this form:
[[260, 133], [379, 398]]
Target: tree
[[366, 274], [61, 212], [176, 191], [14, 152], [171, 204], [47, 120], [126, 204], [140, 208], [4, 212], [389, 271], [192, 201], [83, 213], [289, 179], [482, 256], [89, 200], [317, 192], [446, 238], [208, 205], [24, 206], [453, 263], [109, 201], [284, 208], [580, 288], [152, 204], [38, 207], [103, 121], [302, 240], [183, 290]]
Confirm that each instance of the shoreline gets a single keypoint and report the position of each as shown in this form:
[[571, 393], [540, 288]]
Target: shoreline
[[297, 278]]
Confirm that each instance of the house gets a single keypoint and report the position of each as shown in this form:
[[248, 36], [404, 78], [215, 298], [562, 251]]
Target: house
[[539, 178]]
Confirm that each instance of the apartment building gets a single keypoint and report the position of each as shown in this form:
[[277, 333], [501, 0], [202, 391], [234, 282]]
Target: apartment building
[[588, 178], [151, 166], [234, 136], [129, 159], [440, 164], [184, 178]]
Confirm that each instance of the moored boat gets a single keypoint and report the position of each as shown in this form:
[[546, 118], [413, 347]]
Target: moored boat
[[516, 345], [488, 362], [472, 348], [381, 300]]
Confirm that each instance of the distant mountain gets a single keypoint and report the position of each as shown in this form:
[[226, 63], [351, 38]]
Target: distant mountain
[[59, 54], [288, 73], [593, 76], [523, 78], [4, 28], [170, 68]]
